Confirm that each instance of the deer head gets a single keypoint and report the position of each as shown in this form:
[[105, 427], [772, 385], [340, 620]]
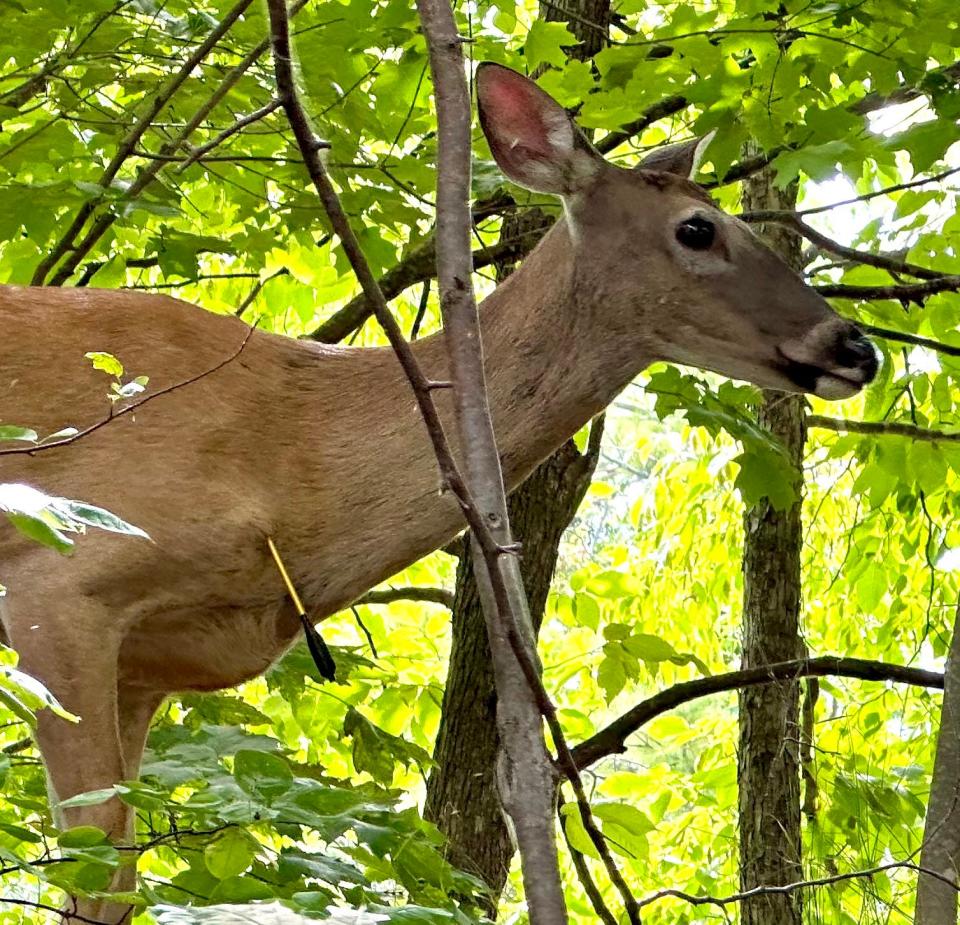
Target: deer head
[[665, 269]]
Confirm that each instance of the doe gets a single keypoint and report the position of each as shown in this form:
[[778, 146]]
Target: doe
[[322, 447]]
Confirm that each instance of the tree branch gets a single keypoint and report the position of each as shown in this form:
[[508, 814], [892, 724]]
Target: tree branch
[[885, 191], [937, 896], [909, 292], [391, 595], [611, 740], [528, 786], [583, 873], [416, 267], [127, 409], [881, 261], [129, 143], [198, 153], [668, 106], [904, 338], [786, 888], [882, 428]]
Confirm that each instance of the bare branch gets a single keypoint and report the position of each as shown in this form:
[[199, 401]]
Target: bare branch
[[529, 797], [45, 907], [882, 428], [668, 106], [881, 261], [937, 896], [416, 267], [874, 101], [611, 739], [788, 887], [904, 338], [886, 191], [583, 873], [908, 292], [392, 595], [198, 153]]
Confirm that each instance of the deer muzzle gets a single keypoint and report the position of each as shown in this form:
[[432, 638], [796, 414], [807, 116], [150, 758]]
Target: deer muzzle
[[835, 360]]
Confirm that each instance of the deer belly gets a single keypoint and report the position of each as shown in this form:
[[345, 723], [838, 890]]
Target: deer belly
[[206, 650]]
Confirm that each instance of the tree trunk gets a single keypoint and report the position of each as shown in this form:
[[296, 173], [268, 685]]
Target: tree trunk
[[937, 898], [768, 769], [462, 798]]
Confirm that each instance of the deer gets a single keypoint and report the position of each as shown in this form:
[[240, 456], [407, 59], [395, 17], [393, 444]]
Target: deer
[[322, 448]]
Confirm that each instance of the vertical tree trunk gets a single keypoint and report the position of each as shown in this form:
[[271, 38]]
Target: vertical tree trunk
[[937, 898], [768, 770], [462, 794]]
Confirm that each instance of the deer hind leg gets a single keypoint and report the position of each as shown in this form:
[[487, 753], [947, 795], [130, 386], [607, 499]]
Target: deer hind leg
[[79, 665]]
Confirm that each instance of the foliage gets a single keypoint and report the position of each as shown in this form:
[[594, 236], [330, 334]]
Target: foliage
[[304, 792]]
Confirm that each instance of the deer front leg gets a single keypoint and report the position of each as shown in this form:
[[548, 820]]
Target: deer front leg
[[80, 669]]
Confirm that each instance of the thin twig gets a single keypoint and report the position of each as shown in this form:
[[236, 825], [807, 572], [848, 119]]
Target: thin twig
[[44, 907], [886, 191], [583, 873], [126, 409], [904, 338], [198, 153]]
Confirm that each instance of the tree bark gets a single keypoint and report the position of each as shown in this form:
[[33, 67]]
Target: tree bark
[[936, 898], [768, 769], [462, 796]]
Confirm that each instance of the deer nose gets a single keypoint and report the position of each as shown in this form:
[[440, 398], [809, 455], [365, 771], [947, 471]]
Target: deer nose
[[855, 351]]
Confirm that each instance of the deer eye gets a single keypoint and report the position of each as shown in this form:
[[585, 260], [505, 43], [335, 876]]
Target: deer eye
[[696, 233]]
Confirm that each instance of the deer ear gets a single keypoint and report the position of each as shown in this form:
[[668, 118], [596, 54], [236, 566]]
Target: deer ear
[[682, 159], [531, 136]]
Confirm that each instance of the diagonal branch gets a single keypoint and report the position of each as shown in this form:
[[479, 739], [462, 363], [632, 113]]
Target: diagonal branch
[[611, 740], [418, 266], [391, 595], [903, 338], [881, 261]]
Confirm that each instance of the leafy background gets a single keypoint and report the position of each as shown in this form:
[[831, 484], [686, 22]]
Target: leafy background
[[296, 789]]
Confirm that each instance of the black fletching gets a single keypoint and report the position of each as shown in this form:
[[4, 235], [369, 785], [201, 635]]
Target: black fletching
[[318, 650]]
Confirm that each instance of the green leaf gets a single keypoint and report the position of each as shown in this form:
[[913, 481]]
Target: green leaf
[[262, 775], [575, 833], [92, 516], [39, 530], [230, 853], [545, 44], [12, 432], [106, 362], [90, 798]]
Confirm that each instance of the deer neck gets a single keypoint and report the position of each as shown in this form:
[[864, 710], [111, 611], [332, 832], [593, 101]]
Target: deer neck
[[549, 371]]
